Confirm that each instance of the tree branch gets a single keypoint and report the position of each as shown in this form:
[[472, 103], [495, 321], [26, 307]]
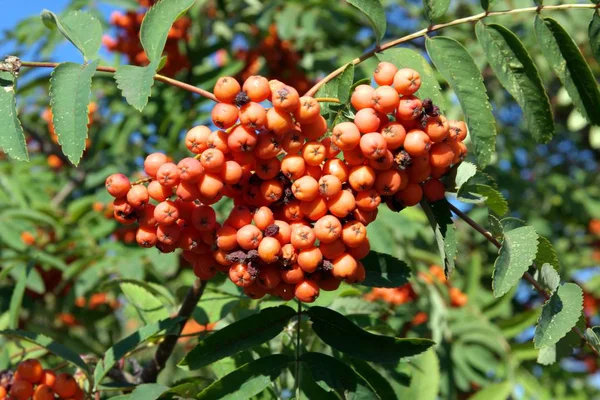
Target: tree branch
[[528, 277], [166, 347], [157, 77], [432, 28]]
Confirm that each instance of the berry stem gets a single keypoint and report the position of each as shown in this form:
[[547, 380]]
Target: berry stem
[[142, 181], [166, 347], [432, 28], [297, 383], [327, 100], [528, 277], [157, 77]]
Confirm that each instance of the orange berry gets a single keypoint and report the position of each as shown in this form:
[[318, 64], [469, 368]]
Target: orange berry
[[345, 135], [314, 209], [341, 204], [65, 385], [269, 277], [239, 275], [385, 99], [434, 190], [210, 186], [48, 378], [43, 392], [218, 140], [329, 185], [249, 237], [303, 237], [314, 130], [407, 81], [353, 233], [394, 135], [224, 115], [309, 259], [368, 200], [285, 232], [153, 162], [367, 120], [293, 166], [359, 274], [308, 110], [285, 98], [253, 115], [344, 266], [305, 188], [21, 390], [269, 249], [307, 291], [362, 177], [409, 108], [361, 251], [333, 250], [388, 182], [417, 143], [30, 370], [338, 168], [279, 121], [362, 97], [242, 140], [441, 155], [168, 175], [313, 153], [437, 128], [190, 170], [117, 185], [293, 274], [292, 141], [384, 73], [226, 89], [373, 145], [457, 130], [257, 88], [410, 196], [195, 141]]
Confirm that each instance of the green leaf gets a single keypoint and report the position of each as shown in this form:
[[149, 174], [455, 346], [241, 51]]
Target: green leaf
[[593, 338], [50, 345], [248, 380], [334, 375], [70, 90], [374, 11], [568, 63], [376, 381], [559, 315], [340, 333], [148, 391], [517, 72], [157, 23], [485, 4], [495, 391], [144, 301], [547, 355], [384, 270], [440, 219], [594, 34], [425, 382], [477, 187], [136, 83], [408, 58], [546, 253], [515, 256], [240, 335], [549, 278], [80, 28], [344, 85], [456, 65], [124, 346], [12, 138], [435, 9], [16, 300]]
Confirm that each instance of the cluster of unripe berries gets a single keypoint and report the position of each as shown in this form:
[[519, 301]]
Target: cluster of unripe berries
[[302, 198], [127, 40], [406, 294], [32, 381]]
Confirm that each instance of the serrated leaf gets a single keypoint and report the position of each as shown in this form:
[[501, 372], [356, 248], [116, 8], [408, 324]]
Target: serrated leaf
[[157, 23], [408, 58], [559, 315], [124, 346], [70, 91], [425, 382], [248, 380], [384, 270], [547, 355], [80, 28], [456, 65], [594, 35], [565, 58], [517, 72], [549, 278], [546, 253], [240, 335], [50, 345], [440, 219], [515, 257], [12, 138], [477, 187], [136, 83], [345, 80], [375, 12], [334, 375], [495, 391], [16, 299], [435, 9], [376, 381], [340, 333]]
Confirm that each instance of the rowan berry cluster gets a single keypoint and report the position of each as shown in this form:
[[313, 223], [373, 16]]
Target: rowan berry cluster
[[302, 199], [32, 381], [127, 41], [406, 293]]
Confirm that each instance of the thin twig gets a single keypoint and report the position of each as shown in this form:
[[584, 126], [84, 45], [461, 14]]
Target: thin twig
[[166, 347], [432, 28], [157, 77], [297, 383], [528, 277], [66, 190], [327, 100]]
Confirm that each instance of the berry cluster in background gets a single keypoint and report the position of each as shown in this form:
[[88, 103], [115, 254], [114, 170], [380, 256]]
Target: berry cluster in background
[[303, 193], [127, 41]]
